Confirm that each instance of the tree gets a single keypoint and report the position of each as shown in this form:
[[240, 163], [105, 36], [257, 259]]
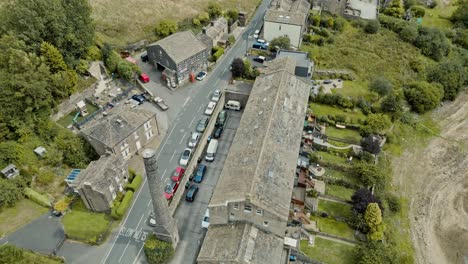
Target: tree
[[157, 251], [339, 24], [380, 85], [423, 96], [330, 22], [432, 43], [372, 26], [282, 42], [315, 20], [214, 9], [247, 69], [395, 9], [10, 193], [361, 198], [373, 217], [369, 174], [233, 14], [237, 67], [10, 254], [52, 57], [409, 33], [376, 253], [451, 75], [166, 27], [371, 144], [392, 104], [112, 61], [204, 17], [376, 124], [125, 69], [460, 15], [231, 39]]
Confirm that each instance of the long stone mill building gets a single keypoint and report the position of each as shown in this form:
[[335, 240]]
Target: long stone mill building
[[251, 203]]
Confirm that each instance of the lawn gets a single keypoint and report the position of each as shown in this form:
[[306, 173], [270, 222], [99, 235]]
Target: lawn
[[339, 191], [321, 110], [29, 257], [68, 119], [332, 158], [349, 134], [84, 225], [84, 83], [331, 226], [353, 89], [21, 214], [335, 209], [328, 251], [438, 17]]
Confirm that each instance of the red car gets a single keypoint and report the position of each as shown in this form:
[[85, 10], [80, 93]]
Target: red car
[[144, 77], [170, 189], [178, 174]]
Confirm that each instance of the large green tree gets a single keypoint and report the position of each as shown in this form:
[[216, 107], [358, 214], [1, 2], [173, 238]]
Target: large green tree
[[376, 124], [376, 253], [282, 42], [373, 217], [423, 96], [433, 43], [451, 75], [166, 27]]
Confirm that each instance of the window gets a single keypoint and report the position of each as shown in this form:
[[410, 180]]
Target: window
[[247, 208], [259, 211], [135, 134], [265, 223], [280, 27], [147, 125], [149, 134], [235, 206], [126, 152]]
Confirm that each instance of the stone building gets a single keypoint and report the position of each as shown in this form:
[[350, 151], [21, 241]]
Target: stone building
[[179, 55], [365, 9], [286, 18], [123, 132], [217, 31], [100, 182]]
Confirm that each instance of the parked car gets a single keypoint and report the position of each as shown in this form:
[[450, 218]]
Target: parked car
[[206, 219], [218, 131], [200, 173], [193, 141], [191, 193], [259, 59], [170, 189], [216, 96], [262, 41], [221, 119], [178, 174], [210, 108], [202, 124], [256, 34], [144, 57], [160, 102], [185, 158], [233, 105], [140, 98], [151, 220], [144, 77], [327, 82], [261, 46], [201, 75]]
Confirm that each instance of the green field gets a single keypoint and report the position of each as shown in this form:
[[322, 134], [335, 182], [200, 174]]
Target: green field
[[335, 209], [332, 158], [349, 134], [353, 89], [331, 226], [323, 110], [438, 17], [339, 191], [84, 225], [329, 251], [68, 119], [19, 215]]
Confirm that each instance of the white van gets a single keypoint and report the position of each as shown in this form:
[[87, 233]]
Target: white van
[[233, 105], [211, 151]]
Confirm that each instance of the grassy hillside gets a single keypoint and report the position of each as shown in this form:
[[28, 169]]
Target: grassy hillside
[[126, 21]]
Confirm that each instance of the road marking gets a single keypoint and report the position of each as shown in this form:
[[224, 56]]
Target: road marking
[[192, 121], [200, 107], [182, 138], [149, 202], [173, 154], [164, 174], [138, 255], [186, 101], [123, 253], [223, 72]]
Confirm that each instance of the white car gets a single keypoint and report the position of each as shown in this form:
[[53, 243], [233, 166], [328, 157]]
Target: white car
[[262, 41], [201, 75], [210, 108], [216, 96], [206, 219], [185, 158], [256, 34], [193, 142]]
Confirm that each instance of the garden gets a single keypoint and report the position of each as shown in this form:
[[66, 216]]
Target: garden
[[329, 251], [334, 227], [68, 119], [334, 209]]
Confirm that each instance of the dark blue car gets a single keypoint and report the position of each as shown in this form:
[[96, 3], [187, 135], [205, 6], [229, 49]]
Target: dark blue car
[[200, 173]]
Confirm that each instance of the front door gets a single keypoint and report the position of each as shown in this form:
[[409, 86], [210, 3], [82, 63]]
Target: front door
[[138, 145]]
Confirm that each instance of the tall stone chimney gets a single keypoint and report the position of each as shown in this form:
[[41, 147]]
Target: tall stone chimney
[[166, 226]]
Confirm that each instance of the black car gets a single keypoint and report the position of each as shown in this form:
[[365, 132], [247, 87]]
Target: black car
[[140, 98], [144, 57], [200, 174], [218, 132], [191, 193]]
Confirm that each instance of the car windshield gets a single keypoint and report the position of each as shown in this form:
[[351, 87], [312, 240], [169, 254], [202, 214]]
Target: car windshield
[[210, 106], [201, 74], [186, 153], [206, 219]]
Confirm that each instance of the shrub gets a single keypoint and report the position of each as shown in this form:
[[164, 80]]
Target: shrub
[[372, 27], [114, 214], [409, 33], [166, 27], [418, 11], [126, 201], [423, 96], [131, 174], [10, 193], [158, 251], [433, 43], [218, 54], [393, 203], [63, 203], [135, 184], [37, 197], [451, 75]]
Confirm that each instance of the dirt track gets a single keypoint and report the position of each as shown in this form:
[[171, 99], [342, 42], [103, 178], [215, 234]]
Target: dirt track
[[435, 180]]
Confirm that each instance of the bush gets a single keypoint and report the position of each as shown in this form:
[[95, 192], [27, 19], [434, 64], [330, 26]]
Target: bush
[[418, 11], [131, 174], [393, 203], [10, 193], [409, 33], [423, 96], [135, 184], [433, 43], [37, 197], [218, 54], [126, 201], [158, 251], [114, 214], [451, 75], [372, 27]]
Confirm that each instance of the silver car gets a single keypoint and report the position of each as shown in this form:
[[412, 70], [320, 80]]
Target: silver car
[[185, 158], [193, 142], [216, 96]]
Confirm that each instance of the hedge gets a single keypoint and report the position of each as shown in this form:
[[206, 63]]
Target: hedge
[[135, 184], [114, 214], [126, 201], [218, 54], [37, 197], [158, 251]]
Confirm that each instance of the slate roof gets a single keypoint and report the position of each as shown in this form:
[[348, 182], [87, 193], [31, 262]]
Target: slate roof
[[181, 45], [101, 173], [284, 17], [243, 243], [261, 164], [219, 25]]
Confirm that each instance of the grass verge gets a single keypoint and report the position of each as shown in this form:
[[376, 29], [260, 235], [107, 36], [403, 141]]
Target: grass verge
[[339, 191], [68, 119], [85, 226], [331, 226], [353, 89], [335, 209], [348, 134], [328, 251], [21, 214]]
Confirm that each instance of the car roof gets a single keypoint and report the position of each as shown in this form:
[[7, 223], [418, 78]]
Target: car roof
[[201, 166], [179, 169], [192, 189], [211, 103], [195, 135]]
